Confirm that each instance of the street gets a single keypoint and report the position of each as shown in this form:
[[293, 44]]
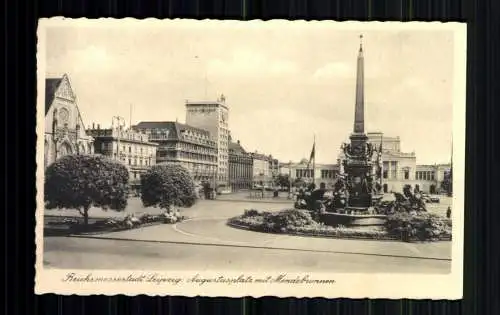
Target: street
[[206, 242]]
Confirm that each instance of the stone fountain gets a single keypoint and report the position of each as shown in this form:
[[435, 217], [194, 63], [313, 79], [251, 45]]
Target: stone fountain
[[358, 176]]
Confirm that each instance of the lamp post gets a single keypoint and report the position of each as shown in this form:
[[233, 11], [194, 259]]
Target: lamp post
[[119, 120], [290, 180]]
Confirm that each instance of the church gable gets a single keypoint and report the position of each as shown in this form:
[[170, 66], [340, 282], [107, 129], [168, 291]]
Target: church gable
[[64, 90], [51, 86], [57, 88]]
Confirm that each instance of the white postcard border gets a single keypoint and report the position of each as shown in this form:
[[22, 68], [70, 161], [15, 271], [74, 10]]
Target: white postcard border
[[417, 286]]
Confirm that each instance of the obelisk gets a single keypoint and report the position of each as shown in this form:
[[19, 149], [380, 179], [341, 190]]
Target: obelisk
[[358, 166], [358, 137], [359, 113]]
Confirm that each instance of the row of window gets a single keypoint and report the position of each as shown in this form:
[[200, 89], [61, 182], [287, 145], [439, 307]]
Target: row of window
[[307, 173], [195, 148], [137, 162], [239, 170], [136, 149], [186, 155], [425, 175]]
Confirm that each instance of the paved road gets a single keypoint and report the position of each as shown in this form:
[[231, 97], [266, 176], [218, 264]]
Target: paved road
[[80, 253], [205, 242]]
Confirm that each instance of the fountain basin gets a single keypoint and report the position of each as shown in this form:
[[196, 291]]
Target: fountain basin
[[335, 219]]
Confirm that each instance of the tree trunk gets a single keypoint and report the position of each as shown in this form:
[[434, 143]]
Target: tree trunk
[[86, 216]]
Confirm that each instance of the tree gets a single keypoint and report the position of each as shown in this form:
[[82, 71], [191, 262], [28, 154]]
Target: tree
[[82, 181], [166, 185], [282, 180]]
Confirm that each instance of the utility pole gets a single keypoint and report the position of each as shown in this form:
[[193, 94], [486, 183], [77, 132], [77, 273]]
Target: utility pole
[[130, 117], [290, 180], [119, 119]]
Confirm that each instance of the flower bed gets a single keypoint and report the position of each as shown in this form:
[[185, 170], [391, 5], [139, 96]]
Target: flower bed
[[74, 225], [300, 222], [419, 225]]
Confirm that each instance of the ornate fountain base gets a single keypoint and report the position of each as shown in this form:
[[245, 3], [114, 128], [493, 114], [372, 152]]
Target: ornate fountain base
[[352, 216], [352, 220]]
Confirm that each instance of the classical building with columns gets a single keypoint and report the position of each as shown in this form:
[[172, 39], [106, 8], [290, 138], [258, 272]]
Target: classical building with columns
[[303, 172], [400, 168], [64, 128]]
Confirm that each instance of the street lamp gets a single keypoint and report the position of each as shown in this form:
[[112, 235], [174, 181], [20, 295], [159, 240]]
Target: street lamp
[[119, 120], [290, 180]]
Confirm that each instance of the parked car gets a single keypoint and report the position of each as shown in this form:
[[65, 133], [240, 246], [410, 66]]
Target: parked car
[[430, 199]]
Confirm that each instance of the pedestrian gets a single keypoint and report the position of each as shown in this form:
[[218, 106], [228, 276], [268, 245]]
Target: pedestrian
[[448, 212]]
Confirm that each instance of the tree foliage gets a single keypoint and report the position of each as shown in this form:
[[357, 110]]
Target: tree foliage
[[82, 181], [166, 185], [282, 180]]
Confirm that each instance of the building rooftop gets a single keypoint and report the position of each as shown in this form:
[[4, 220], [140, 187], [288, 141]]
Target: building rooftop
[[236, 148], [51, 85], [201, 103], [174, 126]]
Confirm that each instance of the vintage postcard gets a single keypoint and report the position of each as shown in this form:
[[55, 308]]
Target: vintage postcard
[[250, 158]]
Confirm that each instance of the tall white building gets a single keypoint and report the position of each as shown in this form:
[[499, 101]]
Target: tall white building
[[213, 117]]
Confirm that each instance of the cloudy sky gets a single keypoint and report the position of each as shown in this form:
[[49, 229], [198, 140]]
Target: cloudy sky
[[284, 83]]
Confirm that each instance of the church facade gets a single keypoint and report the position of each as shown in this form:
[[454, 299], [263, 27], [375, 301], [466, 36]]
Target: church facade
[[64, 129]]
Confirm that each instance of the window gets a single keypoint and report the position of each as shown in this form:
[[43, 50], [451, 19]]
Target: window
[[385, 174], [129, 161], [407, 173], [129, 149]]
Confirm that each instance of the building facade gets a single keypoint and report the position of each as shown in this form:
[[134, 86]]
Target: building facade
[[261, 170], [192, 147], [213, 117], [64, 128], [131, 148], [305, 173], [240, 167], [401, 168], [430, 177]]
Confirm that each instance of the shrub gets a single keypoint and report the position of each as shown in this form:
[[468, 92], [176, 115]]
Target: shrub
[[82, 181], [251, 213], [418, 225], [166, 185], [282, 220]]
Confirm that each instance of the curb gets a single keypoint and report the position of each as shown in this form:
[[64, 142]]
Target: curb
[[255, 201]]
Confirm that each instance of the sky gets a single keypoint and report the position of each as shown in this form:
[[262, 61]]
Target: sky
[[285, 84]]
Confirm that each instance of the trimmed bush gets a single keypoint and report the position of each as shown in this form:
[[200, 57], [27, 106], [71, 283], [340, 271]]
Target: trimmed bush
[[82, 181], [166, 185]]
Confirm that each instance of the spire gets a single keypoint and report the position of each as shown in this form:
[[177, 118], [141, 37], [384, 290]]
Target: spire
[[359, 113]]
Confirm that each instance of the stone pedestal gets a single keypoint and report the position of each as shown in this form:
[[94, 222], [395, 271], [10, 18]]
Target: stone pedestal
[[358, 171]]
